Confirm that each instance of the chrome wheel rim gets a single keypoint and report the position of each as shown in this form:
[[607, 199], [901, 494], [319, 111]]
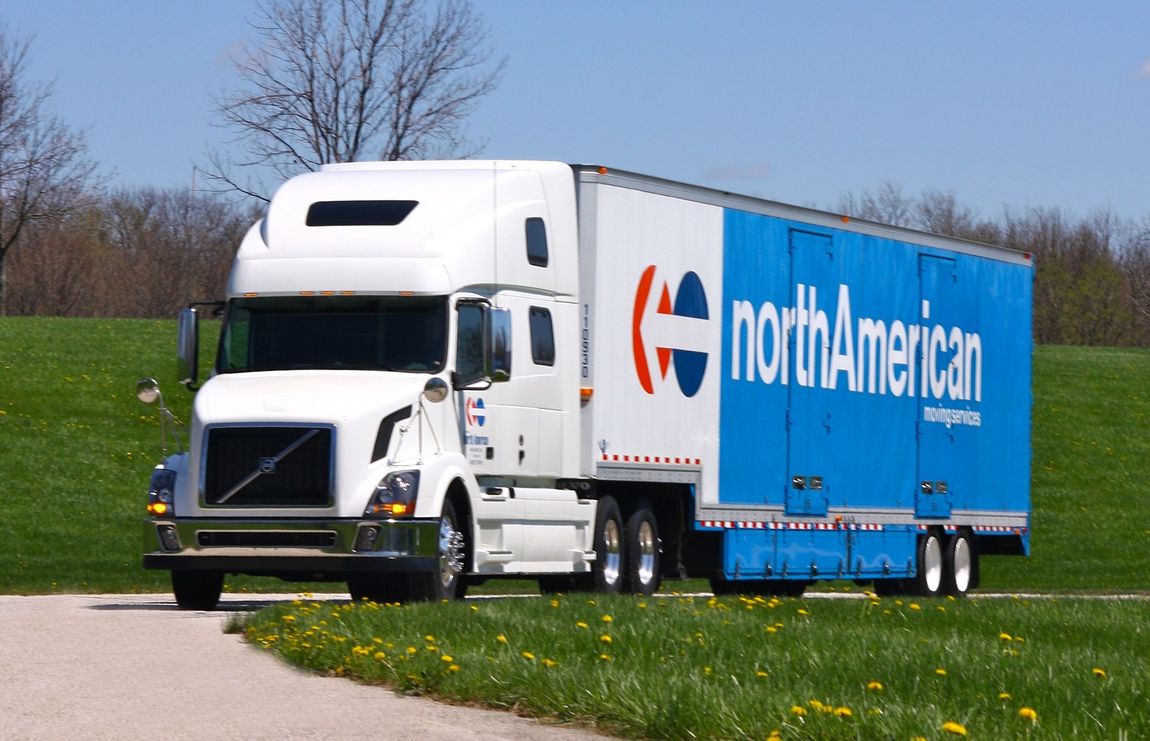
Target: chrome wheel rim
[[451, 552], [932, 564], [962, 565], [647, 552], [613, 551]]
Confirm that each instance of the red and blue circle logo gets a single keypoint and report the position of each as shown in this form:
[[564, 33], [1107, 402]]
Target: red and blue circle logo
[[673, 340], [475, 411]]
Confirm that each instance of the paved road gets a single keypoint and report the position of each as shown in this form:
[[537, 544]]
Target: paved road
[[135, 667]]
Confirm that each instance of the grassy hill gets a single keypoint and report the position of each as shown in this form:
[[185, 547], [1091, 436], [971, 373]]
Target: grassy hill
[[76, 449]]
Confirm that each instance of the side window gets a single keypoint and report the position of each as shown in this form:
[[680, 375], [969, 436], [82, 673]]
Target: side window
[[536, 242], [542, 337]]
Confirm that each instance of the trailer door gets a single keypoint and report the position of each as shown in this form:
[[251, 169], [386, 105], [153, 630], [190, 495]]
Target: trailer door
[[940, 443], [814, 271]]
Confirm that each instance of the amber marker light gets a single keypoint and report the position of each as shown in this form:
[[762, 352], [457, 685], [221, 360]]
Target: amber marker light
[[602, 170], [586, 392], [157, 509]]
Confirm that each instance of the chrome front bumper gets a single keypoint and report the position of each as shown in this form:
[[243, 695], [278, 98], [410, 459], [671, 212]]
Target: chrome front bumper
[[311, 549]]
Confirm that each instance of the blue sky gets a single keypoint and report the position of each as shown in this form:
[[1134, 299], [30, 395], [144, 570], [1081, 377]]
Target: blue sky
[[1015, 104]]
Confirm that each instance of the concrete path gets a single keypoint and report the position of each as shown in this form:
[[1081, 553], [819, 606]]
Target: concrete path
[[135, 667]]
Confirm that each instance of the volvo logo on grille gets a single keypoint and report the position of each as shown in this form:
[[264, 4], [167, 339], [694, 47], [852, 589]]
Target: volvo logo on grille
[[267, 465]]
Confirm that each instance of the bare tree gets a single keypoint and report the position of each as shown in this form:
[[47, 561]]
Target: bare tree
[[343, 80], [44, 169]]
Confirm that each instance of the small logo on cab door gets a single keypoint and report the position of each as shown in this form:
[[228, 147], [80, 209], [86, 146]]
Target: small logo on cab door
[[267, 465], [476, 413]]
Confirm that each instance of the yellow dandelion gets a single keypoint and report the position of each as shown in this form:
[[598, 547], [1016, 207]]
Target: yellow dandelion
[[412, 650], [817, 705], [1004, 696], [798, 710], [581, 625], [550, 663], [940, 608], [379, 656], [940, 672], [1005, 637], [432, 649], [605, 638], [761, 674], [642, 605], [772, 629], [956, 728], [776, 735], [1100, 673], [501, 638], [453, 668], [528, 655], [289, 618], [874, 686], [554, 603], [843, 712], [446, 659], [474, 608], [804, 612], [605, 657], [607, 618], [915, 606], [1028, 714], [429, 638]]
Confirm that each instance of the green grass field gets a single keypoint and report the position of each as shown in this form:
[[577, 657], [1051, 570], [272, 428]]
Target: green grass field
[[76, 449], [737, 667]]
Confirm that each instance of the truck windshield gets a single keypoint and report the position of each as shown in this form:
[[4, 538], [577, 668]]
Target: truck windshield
[[334, 333]]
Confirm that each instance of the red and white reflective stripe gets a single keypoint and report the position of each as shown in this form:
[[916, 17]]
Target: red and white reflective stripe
[[823, 526], [664, 460], [756, 525]]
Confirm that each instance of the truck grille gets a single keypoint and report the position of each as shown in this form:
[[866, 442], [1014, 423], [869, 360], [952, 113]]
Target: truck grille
[[268, 467], [266, 538]]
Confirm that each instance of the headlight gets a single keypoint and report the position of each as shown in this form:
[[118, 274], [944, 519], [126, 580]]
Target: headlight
[[162, 492], [394, 495]]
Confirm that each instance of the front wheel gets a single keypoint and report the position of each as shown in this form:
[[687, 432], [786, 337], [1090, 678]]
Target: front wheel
[[447, 581], [197, 590]]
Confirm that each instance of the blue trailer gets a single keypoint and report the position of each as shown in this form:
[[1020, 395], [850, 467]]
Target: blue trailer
[[845, 399]]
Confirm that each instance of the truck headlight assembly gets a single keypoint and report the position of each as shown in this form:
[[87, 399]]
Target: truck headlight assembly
[[161, 493], [394, 495]]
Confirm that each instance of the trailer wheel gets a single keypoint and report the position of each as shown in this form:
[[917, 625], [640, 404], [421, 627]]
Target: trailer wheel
[[197, 590], [607, 569], [959, 564], [928, 581], [643, 554]]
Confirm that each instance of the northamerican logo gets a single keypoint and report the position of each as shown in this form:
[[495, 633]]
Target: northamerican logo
[[672, 330]]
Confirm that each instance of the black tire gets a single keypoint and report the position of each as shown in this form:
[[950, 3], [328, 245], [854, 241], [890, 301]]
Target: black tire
[[928, 580], [197, 590], [607, 568], [959, 564], [642, 561]]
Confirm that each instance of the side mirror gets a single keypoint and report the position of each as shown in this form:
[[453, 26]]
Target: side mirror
[[147, 390], [483, 349], [499, 352], [188, 348]]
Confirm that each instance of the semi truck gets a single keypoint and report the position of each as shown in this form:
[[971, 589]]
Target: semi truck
[[431, 374]]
